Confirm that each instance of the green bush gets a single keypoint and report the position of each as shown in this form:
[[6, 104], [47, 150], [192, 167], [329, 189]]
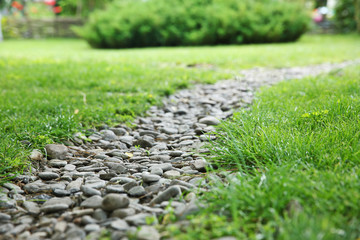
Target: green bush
[[138, 23], [345, 15]]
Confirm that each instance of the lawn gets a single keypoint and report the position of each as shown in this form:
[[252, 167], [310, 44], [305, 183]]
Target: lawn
[[297, 155], [51, 89]]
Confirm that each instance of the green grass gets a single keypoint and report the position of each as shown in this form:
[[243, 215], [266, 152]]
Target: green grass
[[52, 88], [297, 152]]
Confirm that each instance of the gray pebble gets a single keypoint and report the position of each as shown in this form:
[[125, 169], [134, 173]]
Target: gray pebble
[[92, 202], [114, 201], [48, 175], [169, 193], [137, 191]]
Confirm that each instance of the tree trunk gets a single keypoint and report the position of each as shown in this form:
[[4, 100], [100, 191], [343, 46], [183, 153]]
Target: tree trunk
[[357, 15], [1, 33]]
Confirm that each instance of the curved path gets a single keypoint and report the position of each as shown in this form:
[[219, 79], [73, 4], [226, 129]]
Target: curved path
[[125, 177]]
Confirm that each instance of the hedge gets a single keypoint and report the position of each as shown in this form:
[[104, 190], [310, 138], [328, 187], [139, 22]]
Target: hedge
[[139, 23]]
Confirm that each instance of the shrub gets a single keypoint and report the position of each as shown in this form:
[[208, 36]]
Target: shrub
[[138, 23], [347, 13]]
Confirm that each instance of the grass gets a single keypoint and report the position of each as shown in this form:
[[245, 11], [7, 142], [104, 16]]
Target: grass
[[297, 152], [51, 89]]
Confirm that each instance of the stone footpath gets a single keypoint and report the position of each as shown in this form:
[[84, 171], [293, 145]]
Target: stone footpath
[[125, 178]]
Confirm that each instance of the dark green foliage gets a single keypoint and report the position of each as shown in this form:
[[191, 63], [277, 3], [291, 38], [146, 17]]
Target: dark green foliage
[[345, 16], [139, 23]]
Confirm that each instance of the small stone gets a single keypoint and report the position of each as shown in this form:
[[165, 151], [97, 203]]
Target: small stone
[[75, 233], [118, 131], [148, 233], [209, 120], [56, 151], [144, 142], [128, 140], [60, 226], [199, 165], [138, 219], [57, 163], [36, 155], [89, 191], [54, 208], [169, 193], [169, 130], [181, 183], [92, 202], [137, 191], [171, 174], [55, 200], [4, 217], [99, 215], [61, 193], [13, 188], [157, 171], [130, 185], [75, 186], [31, 207], [186, 143], [108, 135], [19, 229], [117, 167], [114, 201], [95, 184], [5, 227], [150, 177], [123, 212], [198, 181], [48, 175], [69, 167], [87, 220], [115, 189], [92, 228], [163, 166], [82, 212], [107, 176], [120, 225]]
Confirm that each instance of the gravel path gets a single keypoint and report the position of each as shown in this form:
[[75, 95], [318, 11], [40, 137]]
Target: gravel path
[[126, 177]]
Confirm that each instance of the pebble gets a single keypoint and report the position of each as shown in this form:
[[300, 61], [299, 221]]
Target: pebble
[[92, 228], [157, 171], [150, 177], [123, 212], [148, 233], [54, 208], [108, 135], [69, 167], [115, 189], [209, 120], [171, 174], [137, 191], [92, 202], [56, 151], [57, 163], [36, 155], [138, 219], [4, 217], [31, 207], [120, 225], [48, 175], [114, 201], [169, 193], [75, 186]]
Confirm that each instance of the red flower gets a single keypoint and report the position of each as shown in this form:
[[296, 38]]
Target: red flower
[[17, 5], [50, 2], [57, 9]]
